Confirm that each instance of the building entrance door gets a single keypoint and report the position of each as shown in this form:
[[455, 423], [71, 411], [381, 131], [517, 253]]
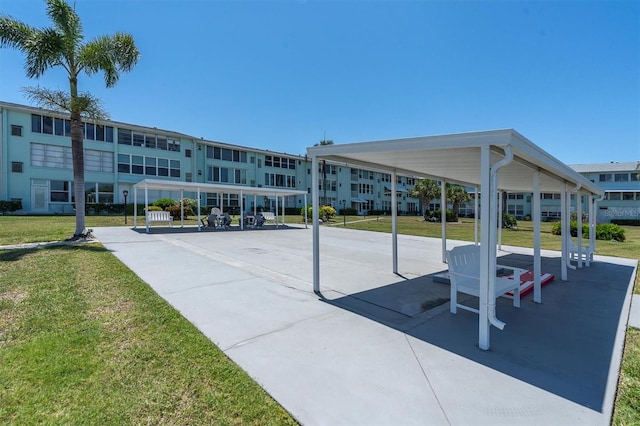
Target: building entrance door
[[39, 196]]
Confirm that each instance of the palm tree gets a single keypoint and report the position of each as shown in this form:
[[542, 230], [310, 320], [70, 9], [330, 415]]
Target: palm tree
[[456, 195], [63, 46], [427, 190]]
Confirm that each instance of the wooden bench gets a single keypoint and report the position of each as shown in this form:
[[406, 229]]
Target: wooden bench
[[162, 216], [464, 274]]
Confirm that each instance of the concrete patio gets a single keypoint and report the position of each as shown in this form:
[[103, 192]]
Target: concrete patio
[[381, 349]]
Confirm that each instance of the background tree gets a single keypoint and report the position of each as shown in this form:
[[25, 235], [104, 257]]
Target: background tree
[[324, 142], [426, 190], [63, 45], [456, 195]]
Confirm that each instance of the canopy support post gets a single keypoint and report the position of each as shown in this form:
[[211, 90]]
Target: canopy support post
[[485, 229], [146, 206], [394, 222], [443, 218], [198, 212], [500, 213], [181, 208], [135, 207], [476, 213], [565, 231], [316, 225], [537, 269], [579, 219]]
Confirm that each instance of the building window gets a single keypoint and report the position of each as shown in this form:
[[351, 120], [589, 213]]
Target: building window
[[98, 192], [51, 156], [16, 130], [225, 175], [138, 139], [188, 177], [280, 162], [628, 196], [137, 164], [98, 161], [163, 167], [124, 136], [621, 177], [60, 157], [59, 191], [605, 177], [174, 168], [187, 153], [279, 180], [614, 196], [16, 166], [173, 145], [62, 127], [226, 154], [150, 166]]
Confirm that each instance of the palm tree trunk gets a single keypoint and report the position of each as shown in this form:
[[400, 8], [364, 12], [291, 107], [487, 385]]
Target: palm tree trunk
[[77, 153]]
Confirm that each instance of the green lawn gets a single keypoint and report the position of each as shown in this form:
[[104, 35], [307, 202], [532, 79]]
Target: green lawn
[[83, 340]]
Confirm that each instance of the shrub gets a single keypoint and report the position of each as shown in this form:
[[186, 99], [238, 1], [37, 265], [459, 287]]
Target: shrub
[[10, 206], [604, 231], [348, 212], [609, 231], [378, 212], [325, 213], [175, 211], [191, 202], [509, 221], [163, 203], [435, 216], [154, 209], [527, 218]]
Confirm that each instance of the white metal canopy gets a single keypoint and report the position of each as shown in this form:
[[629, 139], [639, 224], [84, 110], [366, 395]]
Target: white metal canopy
[[494, 161], [199, 187]]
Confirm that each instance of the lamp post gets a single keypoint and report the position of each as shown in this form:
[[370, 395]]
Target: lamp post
[[344, 212], [125, 193]]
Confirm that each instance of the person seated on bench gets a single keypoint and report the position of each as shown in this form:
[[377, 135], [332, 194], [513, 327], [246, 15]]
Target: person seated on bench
[[212, 220], [226, 220], [259, 221]]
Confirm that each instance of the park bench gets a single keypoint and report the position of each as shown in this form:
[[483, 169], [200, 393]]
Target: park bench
[[159, 216], [269, 217]]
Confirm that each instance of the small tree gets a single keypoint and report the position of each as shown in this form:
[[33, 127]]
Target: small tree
[[426, 190]]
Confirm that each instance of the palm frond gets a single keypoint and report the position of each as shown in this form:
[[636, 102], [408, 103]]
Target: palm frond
[[44, 49], [110, 54], [66, 21], [58, 100], [14, 33]]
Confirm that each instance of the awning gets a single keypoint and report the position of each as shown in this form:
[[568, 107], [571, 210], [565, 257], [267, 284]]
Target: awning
[[358, 200]]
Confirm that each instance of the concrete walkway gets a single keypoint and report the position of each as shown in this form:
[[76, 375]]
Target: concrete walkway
[[380, 349]]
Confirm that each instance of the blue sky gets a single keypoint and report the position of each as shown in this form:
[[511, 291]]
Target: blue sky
[[280, 75]]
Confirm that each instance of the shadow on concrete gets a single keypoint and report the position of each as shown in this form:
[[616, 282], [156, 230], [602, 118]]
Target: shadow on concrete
[[564, 345]]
